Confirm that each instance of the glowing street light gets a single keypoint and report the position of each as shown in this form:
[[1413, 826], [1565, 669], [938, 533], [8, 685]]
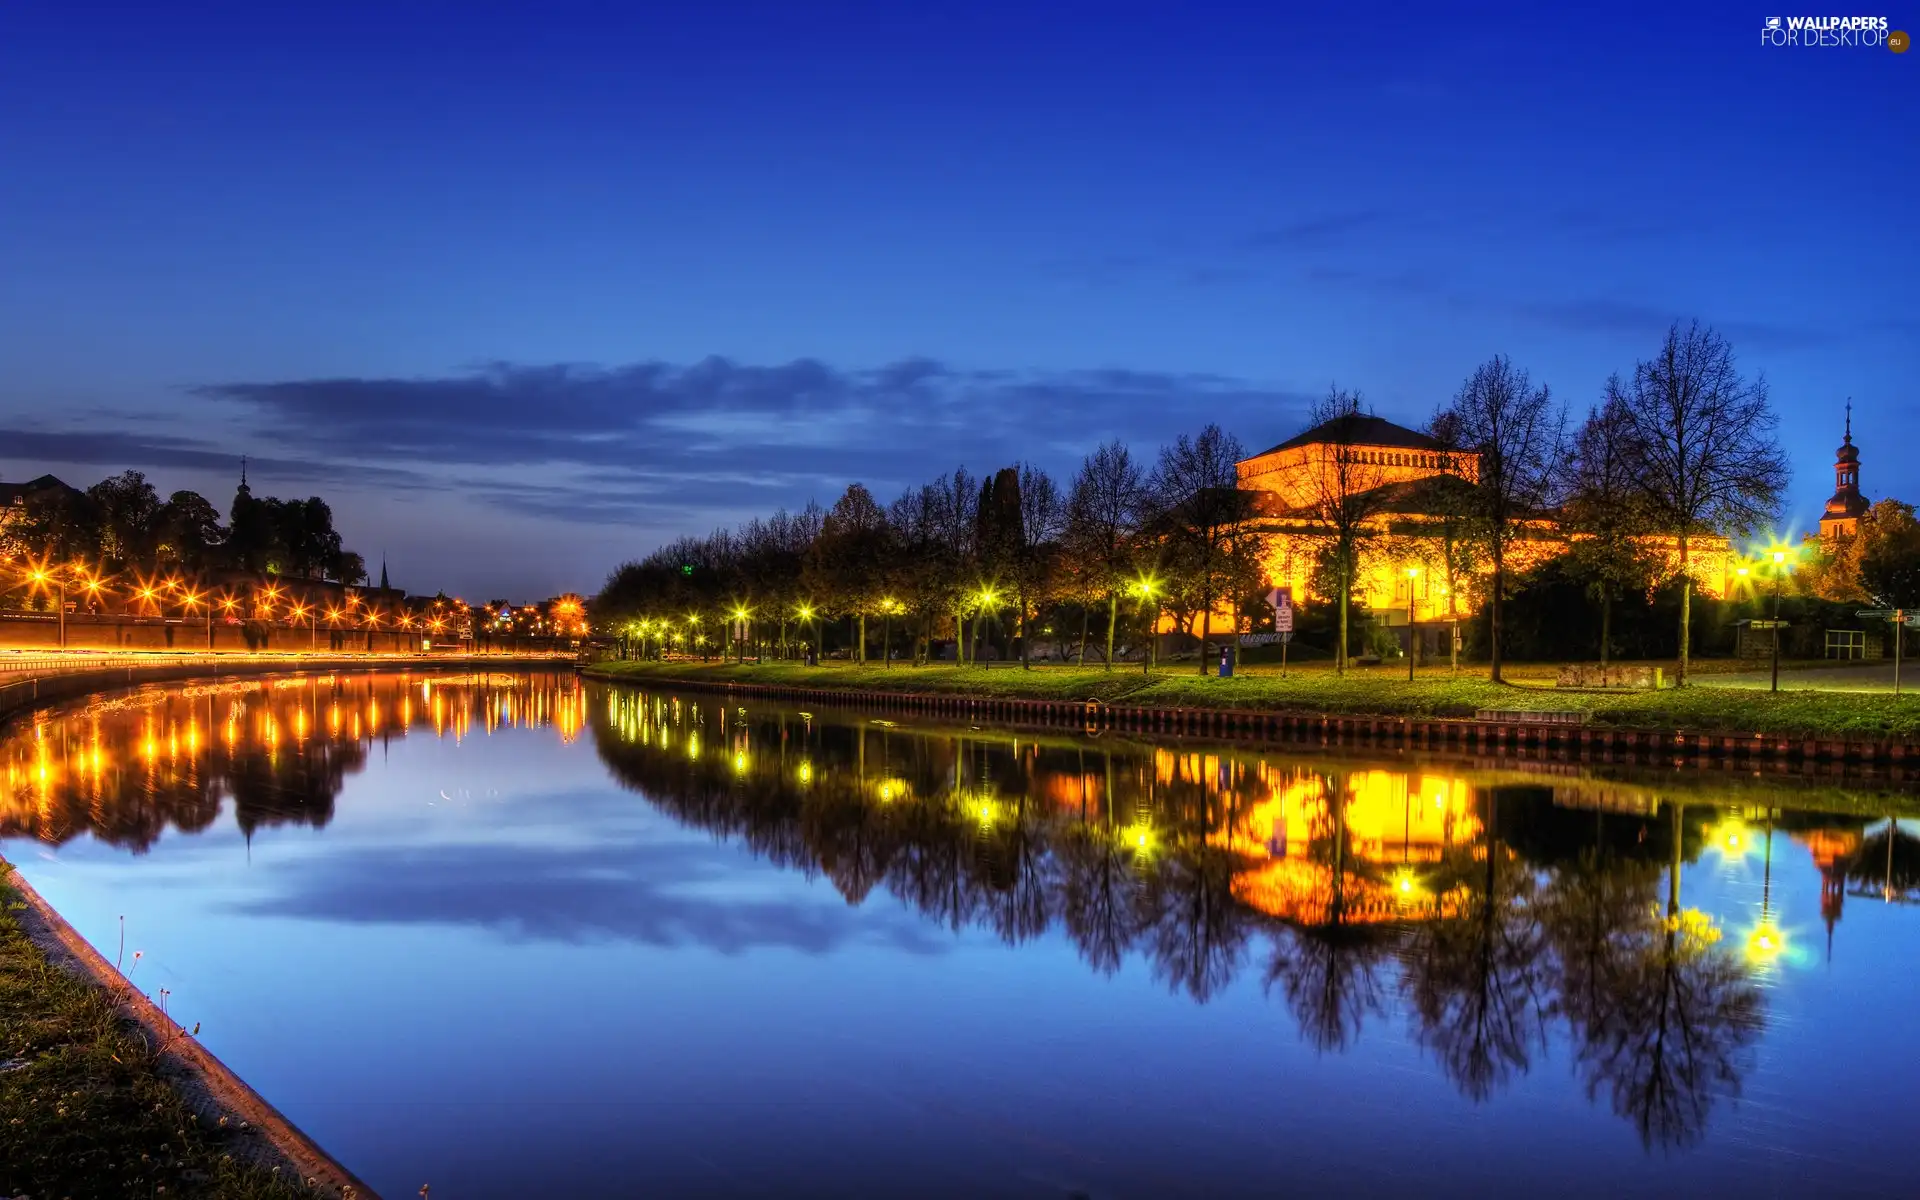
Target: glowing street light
[[985, 601], [740, 617], [1148, 589], [888, 607], [306, 612], [806, 617], [51, 580], [1780, 556]]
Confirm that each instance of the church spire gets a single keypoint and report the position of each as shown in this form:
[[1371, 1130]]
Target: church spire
[[383, 572], [1848, 505]]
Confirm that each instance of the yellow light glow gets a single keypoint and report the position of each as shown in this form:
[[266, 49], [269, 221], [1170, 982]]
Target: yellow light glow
[[1731, 839], [1767, 943]]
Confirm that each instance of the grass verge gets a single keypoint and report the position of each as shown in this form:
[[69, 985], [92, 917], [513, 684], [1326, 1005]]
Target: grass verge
[[1367, 691], [85, 1108]]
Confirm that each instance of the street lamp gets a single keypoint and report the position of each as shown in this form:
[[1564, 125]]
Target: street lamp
[[1782, 558], [986, 599], [1413, 639], [41, 578], [191, 601], [305, 610], [740, 617], [1147, 589], [806, 617], [888, 607]]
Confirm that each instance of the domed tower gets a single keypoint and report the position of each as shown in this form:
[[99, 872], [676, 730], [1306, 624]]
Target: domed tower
[[1842, 516]]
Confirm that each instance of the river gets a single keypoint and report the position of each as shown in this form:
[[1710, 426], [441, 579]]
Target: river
[[517, 934]]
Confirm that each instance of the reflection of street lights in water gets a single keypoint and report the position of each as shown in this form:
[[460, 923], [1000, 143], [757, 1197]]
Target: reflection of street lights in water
[[1768, 941]]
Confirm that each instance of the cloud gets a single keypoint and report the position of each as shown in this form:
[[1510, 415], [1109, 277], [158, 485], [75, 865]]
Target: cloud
[[598, 444], [1595, 315], [1315, 232], [634, 890], [121, 450]]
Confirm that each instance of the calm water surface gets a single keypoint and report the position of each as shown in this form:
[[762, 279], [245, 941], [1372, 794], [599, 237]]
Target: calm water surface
[[519, 936]]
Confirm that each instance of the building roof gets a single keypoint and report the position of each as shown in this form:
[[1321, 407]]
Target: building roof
[[1359, 429], [10, 492]]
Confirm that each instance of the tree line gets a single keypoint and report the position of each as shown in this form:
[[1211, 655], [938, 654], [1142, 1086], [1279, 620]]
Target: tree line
[[121, 527], [1679, 449], [1001, 560]]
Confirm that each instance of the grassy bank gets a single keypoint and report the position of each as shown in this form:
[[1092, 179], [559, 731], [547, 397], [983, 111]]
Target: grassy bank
[[84, 1108], [1370, 691]]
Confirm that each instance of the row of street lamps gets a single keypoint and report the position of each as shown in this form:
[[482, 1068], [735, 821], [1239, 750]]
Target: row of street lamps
[[56, 580], [663, 630]]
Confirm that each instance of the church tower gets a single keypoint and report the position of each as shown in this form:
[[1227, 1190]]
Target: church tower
[[1842, 516]]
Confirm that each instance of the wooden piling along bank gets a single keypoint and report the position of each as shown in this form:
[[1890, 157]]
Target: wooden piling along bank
[[1511, 736]]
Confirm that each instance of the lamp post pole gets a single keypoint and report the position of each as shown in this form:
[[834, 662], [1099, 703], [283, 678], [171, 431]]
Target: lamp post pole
[[60, 585], [1779, 565], [1413, 631]]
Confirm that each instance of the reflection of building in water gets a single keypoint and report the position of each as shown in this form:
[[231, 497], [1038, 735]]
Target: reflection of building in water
[[125, 768], [1832, 850], [1349, 846]]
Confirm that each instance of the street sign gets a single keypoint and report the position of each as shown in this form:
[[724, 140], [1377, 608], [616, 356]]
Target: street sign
[[1879, 614], [1282, 600], [1766, 624]]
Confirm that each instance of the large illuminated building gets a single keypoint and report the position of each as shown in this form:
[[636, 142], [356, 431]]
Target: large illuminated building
[[1398, 477]]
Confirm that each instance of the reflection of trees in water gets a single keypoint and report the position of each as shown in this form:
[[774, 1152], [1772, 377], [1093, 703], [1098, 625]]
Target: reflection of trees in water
[[1662, 1014], [128, 769], [1560, 930], [1331, 970], [1100, 901], [1887, 863], [1476, 976], [1194, 930], [1333, 979]]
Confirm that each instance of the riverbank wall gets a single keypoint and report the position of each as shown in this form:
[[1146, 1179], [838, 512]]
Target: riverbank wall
[[44, 632], [1515, 735], [38, 691]]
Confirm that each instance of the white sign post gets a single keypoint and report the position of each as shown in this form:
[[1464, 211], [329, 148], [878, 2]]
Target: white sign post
[[1282, 600]]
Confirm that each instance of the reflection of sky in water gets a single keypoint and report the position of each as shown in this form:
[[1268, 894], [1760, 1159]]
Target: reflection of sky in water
[[486, 965]]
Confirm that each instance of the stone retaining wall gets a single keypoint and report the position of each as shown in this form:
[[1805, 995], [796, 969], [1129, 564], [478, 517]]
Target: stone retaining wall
[[1880, 759]]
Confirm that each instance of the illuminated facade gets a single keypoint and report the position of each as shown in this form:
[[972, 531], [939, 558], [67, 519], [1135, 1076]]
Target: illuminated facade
[[1402, 557]]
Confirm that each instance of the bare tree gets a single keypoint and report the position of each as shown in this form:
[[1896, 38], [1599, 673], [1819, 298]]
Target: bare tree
[[957, 508], [1703, 444], [1103, 511], [1042, 516], [1605, 512], [1346, 495], [1196, 490], [1514, 429]]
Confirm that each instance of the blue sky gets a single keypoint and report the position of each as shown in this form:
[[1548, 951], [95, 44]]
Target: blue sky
[[526, 292]]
